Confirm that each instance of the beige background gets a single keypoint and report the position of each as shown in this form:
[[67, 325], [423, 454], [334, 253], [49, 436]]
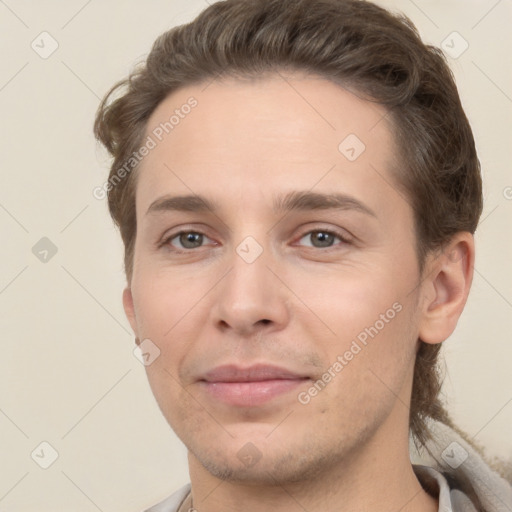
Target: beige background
[[67, 372]]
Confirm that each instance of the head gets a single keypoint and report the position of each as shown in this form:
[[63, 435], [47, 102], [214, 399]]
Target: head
[[278, 104]]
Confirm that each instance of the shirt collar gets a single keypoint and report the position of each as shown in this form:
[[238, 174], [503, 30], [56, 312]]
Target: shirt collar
[[435, 483]]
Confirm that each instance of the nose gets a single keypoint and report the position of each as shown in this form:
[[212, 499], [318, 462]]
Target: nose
[[251, 297]]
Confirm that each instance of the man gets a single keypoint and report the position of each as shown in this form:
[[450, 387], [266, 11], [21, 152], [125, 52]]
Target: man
[[297, 189]]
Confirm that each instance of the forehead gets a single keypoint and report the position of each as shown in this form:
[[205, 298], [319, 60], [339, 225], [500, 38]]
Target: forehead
[[295, 106], [271, 132]]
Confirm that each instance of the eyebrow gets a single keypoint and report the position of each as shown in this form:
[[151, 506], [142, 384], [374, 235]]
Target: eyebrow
[[293, 201], [304, 201]]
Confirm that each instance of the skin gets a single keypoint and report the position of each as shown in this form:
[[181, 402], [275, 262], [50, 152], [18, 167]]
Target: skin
[[298, 305]]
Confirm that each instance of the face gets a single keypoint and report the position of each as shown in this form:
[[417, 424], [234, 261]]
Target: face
[[275, 270]]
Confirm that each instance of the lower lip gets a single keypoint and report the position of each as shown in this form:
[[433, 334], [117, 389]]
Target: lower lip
[[249, 394]]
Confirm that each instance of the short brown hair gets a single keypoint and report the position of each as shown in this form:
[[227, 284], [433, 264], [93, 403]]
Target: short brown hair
[[377, 55]]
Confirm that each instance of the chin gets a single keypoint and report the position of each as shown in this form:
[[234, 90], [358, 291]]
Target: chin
[[259, 461]]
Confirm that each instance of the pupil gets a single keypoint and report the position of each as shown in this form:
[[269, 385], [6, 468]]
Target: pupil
[[323, 239], [191, 240]]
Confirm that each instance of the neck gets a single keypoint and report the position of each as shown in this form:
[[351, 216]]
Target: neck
[[379, 477]]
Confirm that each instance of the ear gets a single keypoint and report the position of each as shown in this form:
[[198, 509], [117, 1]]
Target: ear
[[129, 309], [446, 284]]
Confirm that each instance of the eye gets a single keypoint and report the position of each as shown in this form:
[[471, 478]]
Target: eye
[[319, 238], [322, 238], [186, 240]]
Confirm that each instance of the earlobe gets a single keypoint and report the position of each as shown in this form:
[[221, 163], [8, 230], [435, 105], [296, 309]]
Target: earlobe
[[446, 288], [129, 308]]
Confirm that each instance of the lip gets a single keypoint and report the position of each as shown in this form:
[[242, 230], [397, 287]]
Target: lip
[[250, 386]]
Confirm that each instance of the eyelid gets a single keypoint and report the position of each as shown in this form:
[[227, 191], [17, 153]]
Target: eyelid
[[164, 240], [343, 235], [170, 235]]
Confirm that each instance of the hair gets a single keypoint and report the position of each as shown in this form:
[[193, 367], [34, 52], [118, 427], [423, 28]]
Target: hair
[[376, 54]]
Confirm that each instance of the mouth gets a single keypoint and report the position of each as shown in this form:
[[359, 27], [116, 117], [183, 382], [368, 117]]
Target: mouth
[[251, 386]]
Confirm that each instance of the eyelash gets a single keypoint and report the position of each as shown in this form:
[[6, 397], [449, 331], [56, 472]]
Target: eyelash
[[166, 242]]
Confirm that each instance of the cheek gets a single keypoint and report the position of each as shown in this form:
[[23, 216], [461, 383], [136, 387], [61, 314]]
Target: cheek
[[369, 364], [349, 301], [372, 320], [175, 402], [167, 312], [379, 356], [164, 299]]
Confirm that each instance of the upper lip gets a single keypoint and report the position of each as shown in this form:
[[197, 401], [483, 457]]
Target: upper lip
[[255, 373]]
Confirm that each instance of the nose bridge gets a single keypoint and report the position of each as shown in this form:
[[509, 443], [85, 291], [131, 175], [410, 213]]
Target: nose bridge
[[250, 294]]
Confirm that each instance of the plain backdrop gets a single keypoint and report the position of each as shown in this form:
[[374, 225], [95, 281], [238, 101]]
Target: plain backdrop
[[68, 375]]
